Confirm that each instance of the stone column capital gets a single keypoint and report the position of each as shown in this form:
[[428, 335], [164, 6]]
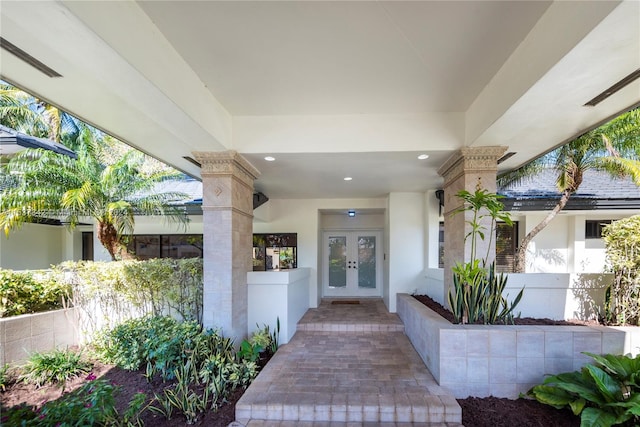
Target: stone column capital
[[471, 159], [226, 163]]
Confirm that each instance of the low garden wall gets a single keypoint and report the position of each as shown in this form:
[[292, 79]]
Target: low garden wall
[[22, 335], [504, 360], [557, 296]]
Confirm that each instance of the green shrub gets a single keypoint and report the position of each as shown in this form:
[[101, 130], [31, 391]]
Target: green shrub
[[21, 293], [203, 363], [157, 343], [622, 242], [55, 367], [154, 287], [605, 393]]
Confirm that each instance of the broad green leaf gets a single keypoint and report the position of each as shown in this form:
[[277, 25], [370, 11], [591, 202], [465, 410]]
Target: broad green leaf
[[607, 386], [552, 396], [594, 417]]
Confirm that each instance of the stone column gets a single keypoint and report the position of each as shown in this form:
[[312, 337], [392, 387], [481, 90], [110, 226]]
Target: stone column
[[227, 209], [463, 171]]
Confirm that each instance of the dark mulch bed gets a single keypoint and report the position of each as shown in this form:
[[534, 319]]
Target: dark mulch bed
[[130, 383], [444, 312], [495, 412]]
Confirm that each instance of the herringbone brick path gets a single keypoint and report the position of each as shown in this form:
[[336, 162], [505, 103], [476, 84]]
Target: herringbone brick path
[[347, 365]]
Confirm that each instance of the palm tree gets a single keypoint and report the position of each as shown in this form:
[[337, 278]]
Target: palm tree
[[110, 189], [613, 148], [27, 114]]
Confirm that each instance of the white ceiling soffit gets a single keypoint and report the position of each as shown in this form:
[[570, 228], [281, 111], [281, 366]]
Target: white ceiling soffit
[[552, 112], [101, 87], [343, 57], [172, 77], [373, 174]]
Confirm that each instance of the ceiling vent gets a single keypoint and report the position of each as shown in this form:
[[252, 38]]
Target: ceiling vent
[[192, 160], [15, 50], [506, 157], [613, 89]]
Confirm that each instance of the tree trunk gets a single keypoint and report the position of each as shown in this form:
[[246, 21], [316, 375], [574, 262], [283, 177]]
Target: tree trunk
[[108, 236], [521, 255]]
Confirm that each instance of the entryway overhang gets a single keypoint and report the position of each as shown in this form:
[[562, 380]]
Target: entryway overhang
[[311, 83]]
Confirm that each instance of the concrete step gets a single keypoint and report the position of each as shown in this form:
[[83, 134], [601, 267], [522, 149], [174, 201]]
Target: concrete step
[[349, 327], [410, 408], [266, 423]]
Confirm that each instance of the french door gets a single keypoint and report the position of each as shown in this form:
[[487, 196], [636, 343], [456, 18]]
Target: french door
[[352, 263]]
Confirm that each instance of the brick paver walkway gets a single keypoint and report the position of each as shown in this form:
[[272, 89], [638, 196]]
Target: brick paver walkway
[[348, 365]]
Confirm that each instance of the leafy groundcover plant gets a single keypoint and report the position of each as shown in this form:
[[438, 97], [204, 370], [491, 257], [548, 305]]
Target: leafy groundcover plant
[[91, 404], [605, 393], [200, 365], [57, 366]]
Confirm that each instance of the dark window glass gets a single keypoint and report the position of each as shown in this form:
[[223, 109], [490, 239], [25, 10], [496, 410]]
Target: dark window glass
[[441, 246], [146, 246], [87, 246], [506, 245], [275, 251], [593, 228]]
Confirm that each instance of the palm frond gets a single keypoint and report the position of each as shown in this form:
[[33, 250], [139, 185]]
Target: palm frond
[[523, 173], [621, 166]]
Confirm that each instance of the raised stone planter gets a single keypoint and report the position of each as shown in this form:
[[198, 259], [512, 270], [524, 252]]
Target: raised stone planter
[[503, 361], [22, 335]]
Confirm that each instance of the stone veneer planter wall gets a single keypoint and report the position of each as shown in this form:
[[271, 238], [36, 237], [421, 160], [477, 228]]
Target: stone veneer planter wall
[[22, 335], [501, 360]]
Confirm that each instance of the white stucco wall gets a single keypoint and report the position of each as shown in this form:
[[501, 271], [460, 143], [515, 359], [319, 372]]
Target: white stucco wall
[[561, 247], [34, 246], [406, 245]]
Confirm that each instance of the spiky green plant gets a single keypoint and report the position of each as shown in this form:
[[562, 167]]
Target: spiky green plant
[[54, 367]]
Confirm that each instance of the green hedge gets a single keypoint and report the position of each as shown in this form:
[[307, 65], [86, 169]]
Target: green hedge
[[162, 286], [22, 293], [622, 242], [113, 290]]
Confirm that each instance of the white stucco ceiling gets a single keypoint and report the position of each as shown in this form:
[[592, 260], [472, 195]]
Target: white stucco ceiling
[[330, 88], [293, 58]]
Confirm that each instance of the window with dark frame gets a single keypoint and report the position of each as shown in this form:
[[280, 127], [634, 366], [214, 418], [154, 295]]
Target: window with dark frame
[[147, 246], [506, 245], [275, 251], [87, 245], [593, 228]]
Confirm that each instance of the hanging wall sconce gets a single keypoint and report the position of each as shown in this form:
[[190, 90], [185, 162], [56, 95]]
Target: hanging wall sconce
[[440, 197]]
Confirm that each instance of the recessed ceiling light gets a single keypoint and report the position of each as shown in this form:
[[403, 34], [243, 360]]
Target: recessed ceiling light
[[347, 178], [269, 159], [423, 156]]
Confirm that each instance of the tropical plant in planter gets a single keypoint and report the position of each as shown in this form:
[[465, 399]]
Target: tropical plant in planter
[[476, 296]]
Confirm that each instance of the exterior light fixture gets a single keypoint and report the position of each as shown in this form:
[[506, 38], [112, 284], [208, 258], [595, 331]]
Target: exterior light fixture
[[351, 213], [423, 156], [269, 158], [347, 178]]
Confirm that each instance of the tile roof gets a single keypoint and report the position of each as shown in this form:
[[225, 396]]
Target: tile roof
[[190, 186], [598, 191]]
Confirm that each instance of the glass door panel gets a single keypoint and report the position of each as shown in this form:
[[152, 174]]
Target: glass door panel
[[352, 264], [367, 262], [338, 261]]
